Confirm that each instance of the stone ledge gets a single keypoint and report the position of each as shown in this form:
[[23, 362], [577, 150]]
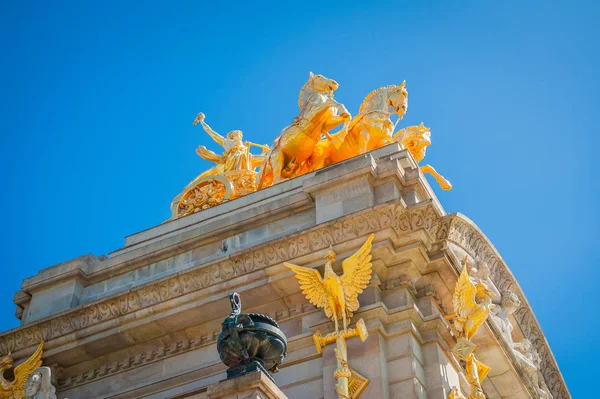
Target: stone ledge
[[169, 239], [254, 385]]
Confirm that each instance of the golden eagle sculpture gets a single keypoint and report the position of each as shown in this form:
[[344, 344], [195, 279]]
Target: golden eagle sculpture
[[337, 295], [470, 312], [16, 388]]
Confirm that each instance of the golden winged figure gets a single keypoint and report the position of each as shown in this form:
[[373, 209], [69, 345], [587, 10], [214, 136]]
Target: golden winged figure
[[470, 314], [337, 295], [16, 388]]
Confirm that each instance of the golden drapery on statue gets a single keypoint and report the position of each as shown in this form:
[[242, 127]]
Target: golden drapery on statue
[[233, 175], [307, 144]]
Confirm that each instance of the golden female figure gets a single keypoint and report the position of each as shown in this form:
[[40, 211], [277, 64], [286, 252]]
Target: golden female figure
[[233, 175], [237, 154]]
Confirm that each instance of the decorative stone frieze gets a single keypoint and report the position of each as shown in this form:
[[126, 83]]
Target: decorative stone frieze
[[460, 230], [454, 228]]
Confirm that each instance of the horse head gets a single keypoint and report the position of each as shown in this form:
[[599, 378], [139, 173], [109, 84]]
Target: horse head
[[398, 99], [415, 139], [322, 84], [316, 84], [384, 98]]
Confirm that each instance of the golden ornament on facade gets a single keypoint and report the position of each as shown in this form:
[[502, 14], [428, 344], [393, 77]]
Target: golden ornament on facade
[[306, 145], [472, 301], [16, 389], [338, 296]]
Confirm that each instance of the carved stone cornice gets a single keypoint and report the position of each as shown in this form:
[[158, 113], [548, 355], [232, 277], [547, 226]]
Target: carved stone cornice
[[455, 228], [202, 276], [162, 351], [461, 231]]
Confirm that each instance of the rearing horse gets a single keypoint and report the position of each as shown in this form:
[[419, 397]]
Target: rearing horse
[[290, 154], [370, 129]]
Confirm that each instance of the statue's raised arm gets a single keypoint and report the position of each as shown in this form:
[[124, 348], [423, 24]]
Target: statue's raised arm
[[214, 135]]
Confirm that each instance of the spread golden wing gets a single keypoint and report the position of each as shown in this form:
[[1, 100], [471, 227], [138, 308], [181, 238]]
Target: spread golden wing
[[463, 299], [311, 284], [23, 370], [357, 274], [207, 154]]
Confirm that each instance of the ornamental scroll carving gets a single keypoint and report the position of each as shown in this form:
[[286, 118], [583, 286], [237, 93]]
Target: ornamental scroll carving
[[162, 351], [454, 228], [464, 233], [205, 275]]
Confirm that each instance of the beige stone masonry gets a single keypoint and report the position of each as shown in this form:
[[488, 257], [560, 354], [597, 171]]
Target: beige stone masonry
[[144, 322], [250, 386]]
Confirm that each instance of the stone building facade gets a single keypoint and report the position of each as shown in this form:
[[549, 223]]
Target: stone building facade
[[142, 323]]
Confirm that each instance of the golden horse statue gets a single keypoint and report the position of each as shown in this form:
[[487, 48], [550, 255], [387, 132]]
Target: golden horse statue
[[291, 153], [416, 139], [372, 128]]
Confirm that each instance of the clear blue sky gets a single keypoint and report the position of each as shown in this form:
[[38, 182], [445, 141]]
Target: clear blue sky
[[98, 100]]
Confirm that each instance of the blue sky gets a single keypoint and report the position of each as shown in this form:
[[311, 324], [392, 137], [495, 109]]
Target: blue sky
[[98, 100]]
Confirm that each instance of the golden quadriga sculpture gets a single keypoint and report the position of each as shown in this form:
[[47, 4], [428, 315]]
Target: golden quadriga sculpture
[[305, 145], [294, 152], [338, 297], [372, 128], [233, 175], [472, 302], [16, 389]]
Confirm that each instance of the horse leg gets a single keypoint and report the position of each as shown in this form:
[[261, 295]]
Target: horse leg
[[363, 138], [445, 184], [277, 164], [333, 122], [265, 177]]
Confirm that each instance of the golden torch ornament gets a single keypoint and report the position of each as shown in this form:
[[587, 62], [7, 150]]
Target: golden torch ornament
[[338, 296]]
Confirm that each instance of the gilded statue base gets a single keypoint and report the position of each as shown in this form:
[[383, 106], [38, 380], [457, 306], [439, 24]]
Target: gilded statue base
[[349, 383]]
